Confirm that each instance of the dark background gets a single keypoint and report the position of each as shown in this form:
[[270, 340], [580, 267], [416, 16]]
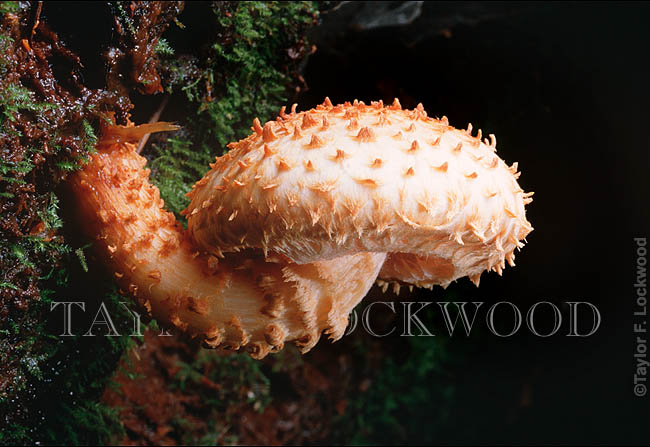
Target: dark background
[[564, 88]]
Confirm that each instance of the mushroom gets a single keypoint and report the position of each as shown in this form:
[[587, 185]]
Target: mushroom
[[289, 230]]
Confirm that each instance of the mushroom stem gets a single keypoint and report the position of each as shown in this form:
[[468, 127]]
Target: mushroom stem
[[237, 301]]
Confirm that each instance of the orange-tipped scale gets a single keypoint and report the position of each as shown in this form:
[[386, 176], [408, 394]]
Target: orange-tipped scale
[[290, 229]]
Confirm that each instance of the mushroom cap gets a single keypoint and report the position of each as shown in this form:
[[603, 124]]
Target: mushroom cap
[[339, 180]]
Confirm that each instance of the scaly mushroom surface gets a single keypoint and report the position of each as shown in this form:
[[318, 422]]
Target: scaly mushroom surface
[[289, 230]]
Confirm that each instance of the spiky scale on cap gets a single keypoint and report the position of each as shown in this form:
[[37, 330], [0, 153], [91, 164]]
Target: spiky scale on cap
[[315, 142], [296, 133], [365, 135], [257, 127], [339, 156], [308, 121], [267, 133], [442, 168], [283, 165]]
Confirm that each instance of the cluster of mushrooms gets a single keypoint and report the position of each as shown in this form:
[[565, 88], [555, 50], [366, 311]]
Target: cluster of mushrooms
[[289, 230]]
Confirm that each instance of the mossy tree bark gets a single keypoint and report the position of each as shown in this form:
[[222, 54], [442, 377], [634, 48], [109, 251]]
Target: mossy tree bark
[[217, 66]]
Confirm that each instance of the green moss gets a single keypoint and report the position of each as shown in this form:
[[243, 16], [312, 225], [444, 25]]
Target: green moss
[[124, 17], [406, 393], [49, 386], [89, 136], [49, 402], [252, 83], [163, 48], [64, 381], [241, 382], [9, 7], [246, 74], [239, 371], [175, 167], [15, 98]]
